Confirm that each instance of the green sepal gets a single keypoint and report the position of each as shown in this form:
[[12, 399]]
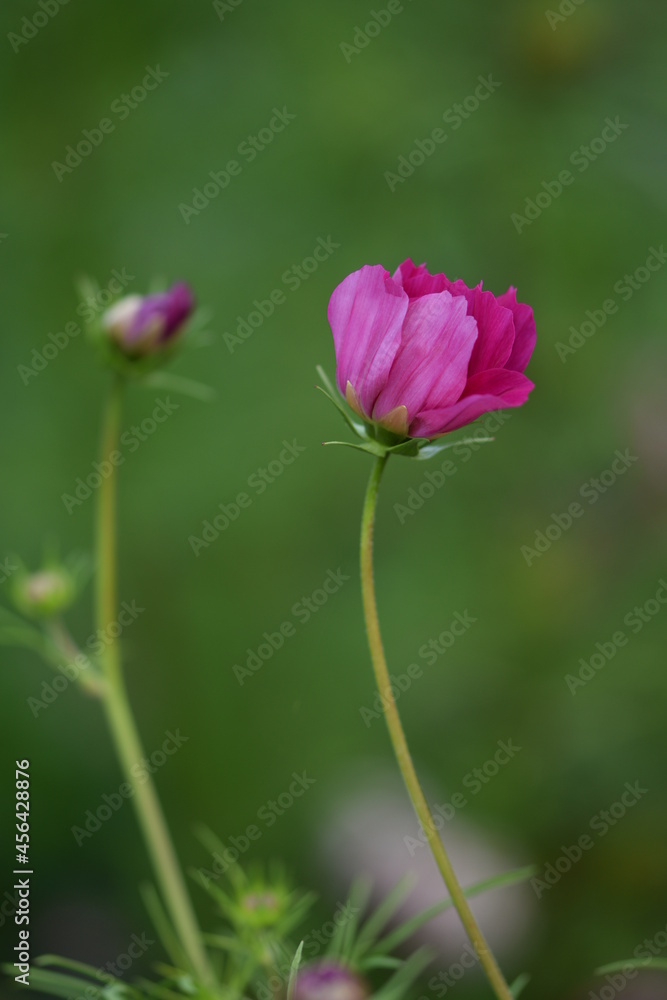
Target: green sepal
[[371, 448], [355, 425], [378, 441], [432, 448]]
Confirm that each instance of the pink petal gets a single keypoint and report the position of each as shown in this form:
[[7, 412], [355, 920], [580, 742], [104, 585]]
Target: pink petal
[[366, 313], [497, 389], [496, 330], [417, 281], [430, 369], [525, 333]]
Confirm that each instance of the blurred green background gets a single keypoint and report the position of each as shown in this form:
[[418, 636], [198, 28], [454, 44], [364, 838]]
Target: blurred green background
[[323, 176]]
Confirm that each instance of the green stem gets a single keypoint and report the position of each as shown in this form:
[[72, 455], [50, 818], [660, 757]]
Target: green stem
[[119, 714], [400, 745]]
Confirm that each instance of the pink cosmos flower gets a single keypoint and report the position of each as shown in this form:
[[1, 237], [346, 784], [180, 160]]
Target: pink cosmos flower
[[422, 355]]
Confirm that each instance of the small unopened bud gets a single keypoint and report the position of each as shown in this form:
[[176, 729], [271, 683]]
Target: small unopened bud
[[144, 324], [43, 594]]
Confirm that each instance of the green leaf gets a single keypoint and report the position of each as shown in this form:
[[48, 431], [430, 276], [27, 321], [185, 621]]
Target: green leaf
[[176, 383], [381, 916], [410, 927], [341, 945], [224, 942], [293, 972], [297, 912], [396, 987], [74, 966], [633, 963], [430, 450], [381, 962], [519, 985], [163, 928]]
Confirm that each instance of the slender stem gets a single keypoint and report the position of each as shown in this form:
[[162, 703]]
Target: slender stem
[[119, 714], [65, 648], [400, 745]]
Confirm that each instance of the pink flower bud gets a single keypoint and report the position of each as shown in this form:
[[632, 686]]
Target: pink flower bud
[[329, 980], [144, 324]]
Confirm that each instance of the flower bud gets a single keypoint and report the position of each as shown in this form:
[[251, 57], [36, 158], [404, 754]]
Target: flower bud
[[262, 908], [329, 980], [141, 325], [45, 593]]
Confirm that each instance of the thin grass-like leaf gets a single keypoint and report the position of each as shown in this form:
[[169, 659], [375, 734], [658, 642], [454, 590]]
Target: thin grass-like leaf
[[633, 963], [430, 450], [163, 928], [59, 985], [395, 988], [519, 985], [293, 973], [74, 966], [381, 916], [224, 942], [357, 902], [381, 962], [407, 929], [177, 383]]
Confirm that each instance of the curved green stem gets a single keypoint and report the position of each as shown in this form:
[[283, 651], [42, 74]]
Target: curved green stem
[[120, 719], [400, 745]]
